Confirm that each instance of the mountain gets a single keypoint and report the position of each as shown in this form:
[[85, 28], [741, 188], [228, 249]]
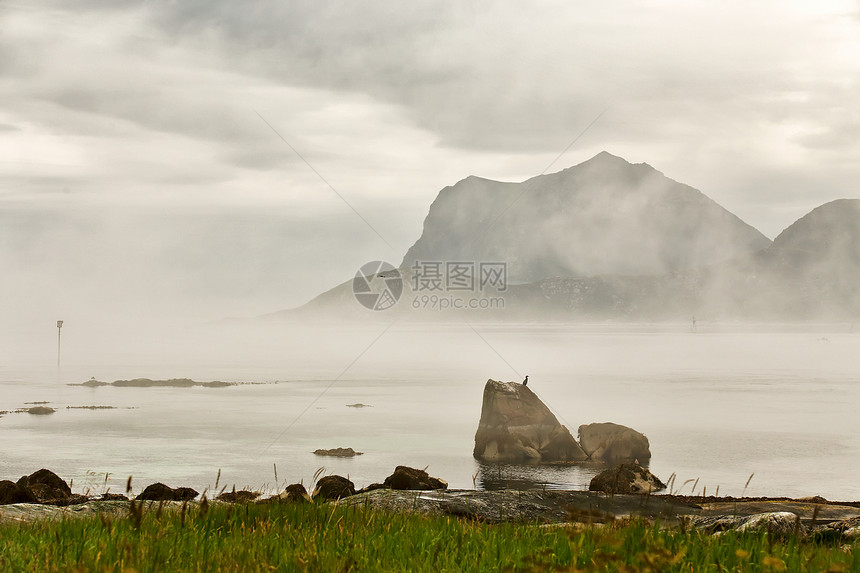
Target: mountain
[[602, 217], [607, 239]]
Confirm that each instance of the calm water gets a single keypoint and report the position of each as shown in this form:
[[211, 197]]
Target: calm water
[[717, 405]]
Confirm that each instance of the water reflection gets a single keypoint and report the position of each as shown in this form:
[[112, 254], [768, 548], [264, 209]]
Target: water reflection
[[536, 476]]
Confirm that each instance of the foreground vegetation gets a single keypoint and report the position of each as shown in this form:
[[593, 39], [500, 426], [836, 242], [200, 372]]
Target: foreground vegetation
[[320, 537]]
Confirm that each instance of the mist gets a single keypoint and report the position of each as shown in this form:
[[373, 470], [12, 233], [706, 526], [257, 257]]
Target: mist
[[193, 188]]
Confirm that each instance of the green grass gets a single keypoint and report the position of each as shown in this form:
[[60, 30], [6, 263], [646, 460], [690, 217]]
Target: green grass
[[310, 537]]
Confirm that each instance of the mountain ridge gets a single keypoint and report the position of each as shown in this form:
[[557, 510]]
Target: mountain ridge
[[810, 271]]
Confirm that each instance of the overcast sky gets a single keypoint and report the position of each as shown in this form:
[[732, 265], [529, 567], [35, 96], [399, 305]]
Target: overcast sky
[[137, 168]]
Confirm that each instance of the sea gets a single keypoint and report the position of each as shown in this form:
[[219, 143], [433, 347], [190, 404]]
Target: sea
[[729, 409]]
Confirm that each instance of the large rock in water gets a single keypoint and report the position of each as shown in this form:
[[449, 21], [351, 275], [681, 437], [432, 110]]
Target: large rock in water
[[516, 426], [613, 443]]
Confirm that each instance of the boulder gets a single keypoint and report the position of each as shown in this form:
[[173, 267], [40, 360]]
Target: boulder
[[11, 492], [516, 426], [626, 478], [613, 443], [160, 492], [48, 487], [333, 487], [294, 493], [405, 478]]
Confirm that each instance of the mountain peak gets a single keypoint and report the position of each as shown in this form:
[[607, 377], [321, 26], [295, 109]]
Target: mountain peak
[[605, 156]]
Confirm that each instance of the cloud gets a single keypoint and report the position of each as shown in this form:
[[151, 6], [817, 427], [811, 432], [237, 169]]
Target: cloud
[[114, 105]]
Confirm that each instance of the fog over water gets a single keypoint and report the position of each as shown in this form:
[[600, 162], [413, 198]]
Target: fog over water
[[717, 404], [171, 170]]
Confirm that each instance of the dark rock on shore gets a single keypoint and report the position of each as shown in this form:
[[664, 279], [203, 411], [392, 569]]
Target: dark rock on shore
[[627, 478], [241, 496], [160, 492], [45, 483], [333, 487], [11, 492], [516, 426], [406, 478], [113, 497], [338, 452], [49, 488], [294, 493], [613, 443]]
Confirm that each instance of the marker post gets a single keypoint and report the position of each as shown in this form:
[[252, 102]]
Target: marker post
[[59, 340]]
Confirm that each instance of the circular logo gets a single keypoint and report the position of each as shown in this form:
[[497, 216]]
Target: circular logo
[[377, 285]]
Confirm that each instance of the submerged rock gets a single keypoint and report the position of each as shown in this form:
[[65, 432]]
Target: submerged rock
[[160, 492], [40, 410], [333, 487], [149, 383], [626, 478], [613, 443], [516, 426], [406, 478]]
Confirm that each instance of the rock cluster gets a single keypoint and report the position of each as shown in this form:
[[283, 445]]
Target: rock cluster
[[516, 426], [43, 486], [338, 452]]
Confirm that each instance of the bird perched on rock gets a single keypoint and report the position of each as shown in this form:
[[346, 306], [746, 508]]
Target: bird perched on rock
[[526, 381]]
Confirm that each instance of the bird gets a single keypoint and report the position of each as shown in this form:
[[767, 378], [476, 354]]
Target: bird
[[526, 381]]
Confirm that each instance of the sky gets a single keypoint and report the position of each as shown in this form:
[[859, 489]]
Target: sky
[[208, 158]]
